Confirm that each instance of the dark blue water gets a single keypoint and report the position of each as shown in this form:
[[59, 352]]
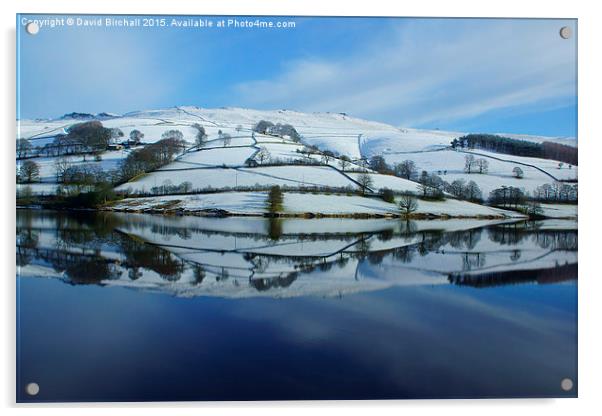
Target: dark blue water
[[91, 342]]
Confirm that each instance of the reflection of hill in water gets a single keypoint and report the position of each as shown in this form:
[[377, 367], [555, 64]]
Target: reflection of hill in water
[[559, 273], [243, 257]]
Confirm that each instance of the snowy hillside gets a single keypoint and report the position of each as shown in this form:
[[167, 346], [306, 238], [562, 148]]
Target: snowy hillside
[[233, 157]]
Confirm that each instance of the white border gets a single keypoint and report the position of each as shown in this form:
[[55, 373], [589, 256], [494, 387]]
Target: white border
[[590, 139]]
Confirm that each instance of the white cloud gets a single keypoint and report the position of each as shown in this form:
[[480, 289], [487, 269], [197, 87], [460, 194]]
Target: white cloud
[[429, 71]]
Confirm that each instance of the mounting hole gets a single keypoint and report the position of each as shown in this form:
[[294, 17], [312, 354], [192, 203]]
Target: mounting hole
[[32, 28], [566, 384], [565, 32], [32, 389]]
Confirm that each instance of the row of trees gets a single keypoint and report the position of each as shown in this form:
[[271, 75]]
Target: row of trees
[[280, 130], [562, 152], [90, 137], [474, 165], [152, 156], [517, 198], [28, 172], [431, 186], [507, 197], [498, 144], [507, 145], [556, 192], [461, 189]]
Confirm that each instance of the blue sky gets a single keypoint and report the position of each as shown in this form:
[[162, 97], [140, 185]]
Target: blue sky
[[514, 76]]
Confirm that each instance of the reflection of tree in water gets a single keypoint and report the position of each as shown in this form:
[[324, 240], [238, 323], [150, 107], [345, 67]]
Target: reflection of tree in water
[[385, 235], [507, 235], [91, 270], [430, 241], [465, 239], [362, 247], [259, 263], [82, 238], [223, 275], [27, 239], [84, 230], [408, 228], [198, 274], [139, 254], [167, 231], [91, 233], [376, 257], [567, 240], [404, 254], [547, 239], [274, 228], [80, 268], [280, 281], [472, 261], [559, 273], [324, 266], [342, 261], [135, 273]]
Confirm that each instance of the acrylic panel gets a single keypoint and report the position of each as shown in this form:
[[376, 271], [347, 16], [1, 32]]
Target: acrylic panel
[[295, 208]]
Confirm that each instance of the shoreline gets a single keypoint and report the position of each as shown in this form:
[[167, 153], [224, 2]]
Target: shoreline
[[219, 213]]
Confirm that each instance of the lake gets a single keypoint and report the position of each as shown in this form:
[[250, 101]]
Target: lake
[[135, 307]]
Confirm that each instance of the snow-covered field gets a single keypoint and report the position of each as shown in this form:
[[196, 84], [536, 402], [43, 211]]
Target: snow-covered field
[[449, 164], [110, 160], [388, 181], [219, 178], [218, 156], [559, 210], [249, 203]]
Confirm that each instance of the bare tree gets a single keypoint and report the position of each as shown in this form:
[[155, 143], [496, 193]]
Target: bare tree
[[174, 139], [136, 136], [365, 182], [201, 135], [306, 152], [457, 188], [263, 155], [407, 204], [469, 163], [483, 165], [344, 161], [173, 134], [472, 192], [116, 133], [61, 166], [186, 186], [406, 169], [431, 185], [227, 139], [518, 172], [23, 147], [379, 164], [326, 156], [29, 172]]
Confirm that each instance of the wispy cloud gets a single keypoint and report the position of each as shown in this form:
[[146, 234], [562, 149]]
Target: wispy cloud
[[430, 71]]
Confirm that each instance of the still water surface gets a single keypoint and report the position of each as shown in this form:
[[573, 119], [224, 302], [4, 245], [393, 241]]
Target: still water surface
[[128, 307]]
